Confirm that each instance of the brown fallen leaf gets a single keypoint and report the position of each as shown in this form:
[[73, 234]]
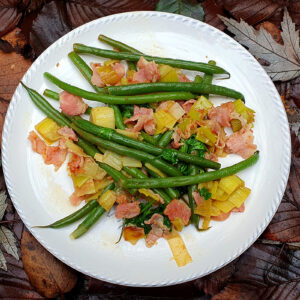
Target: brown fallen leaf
[[212, 9], [13, 67], [47, 274], [252, 11], [10, 15], [16, 39], [272, 29], [81, 11], [50, 24]]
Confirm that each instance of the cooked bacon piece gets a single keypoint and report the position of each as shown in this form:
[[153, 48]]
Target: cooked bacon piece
[[96, 79], [182, 78], [119, 69], [55, 156], [213, 125], [187, 105], [211, 156], [176, 140], [239, 209], [127, 210], [145, 119], [178, 209], [148, 71], [51, 154], [37, 144], [71, 105], [222, 217], [158, 229], [121, 199], [222, 114], [75, 163], [75, 200], [133, 233], [241, 143], [68, 133], [198, 199]]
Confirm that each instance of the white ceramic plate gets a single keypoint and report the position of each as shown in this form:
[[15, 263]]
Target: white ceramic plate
[[41, 196]]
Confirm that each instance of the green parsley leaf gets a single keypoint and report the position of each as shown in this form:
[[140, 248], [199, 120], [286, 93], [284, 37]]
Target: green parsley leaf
[[205, 193]]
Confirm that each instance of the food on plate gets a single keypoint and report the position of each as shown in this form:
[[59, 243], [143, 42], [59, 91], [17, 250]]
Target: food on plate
[[152, 154]]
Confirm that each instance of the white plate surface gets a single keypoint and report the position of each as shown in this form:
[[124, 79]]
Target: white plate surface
[[41, 196]]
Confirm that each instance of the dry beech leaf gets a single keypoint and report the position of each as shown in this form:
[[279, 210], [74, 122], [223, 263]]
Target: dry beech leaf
[[50, 24], [264, 272], [13, 67], [8, 241], [213, 8], [47, 274], [14, 283], [285, 226], [3, 204], [284, 60], [81, 11], [9, 15], [252, 11]]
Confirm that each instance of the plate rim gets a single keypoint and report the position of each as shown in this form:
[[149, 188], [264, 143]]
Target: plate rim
[[260, 227]]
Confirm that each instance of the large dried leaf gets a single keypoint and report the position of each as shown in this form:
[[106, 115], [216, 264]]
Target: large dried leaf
[[82, 11], [252, 11], [262, 272], [8, 241], [3, 204], [47, 274], [9, 15], [284, 60], [213, 8], [181, 7], [285, 226], [50, 24], [2, 261], [14, 283]]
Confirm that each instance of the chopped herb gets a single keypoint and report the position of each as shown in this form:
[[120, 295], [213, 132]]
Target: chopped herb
[[192, 144], [170, 155], [127, 110], [183, 168], [205, 193]]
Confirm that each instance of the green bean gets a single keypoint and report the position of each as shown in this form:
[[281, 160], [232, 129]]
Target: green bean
[[165, 140], [121, 47], [140, 155], [55, 96], [118, 45], [110, 134], [189, 180], [172, 192], [87, 74], [91, 219], [111, 99], [70, 219], [197, 88], [148, 138], [207, 79], [136, 173], [177, 63], [157, 137], [193, 170]]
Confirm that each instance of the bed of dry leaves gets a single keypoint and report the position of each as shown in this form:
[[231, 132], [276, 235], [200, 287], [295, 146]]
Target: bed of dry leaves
[[270, 269]]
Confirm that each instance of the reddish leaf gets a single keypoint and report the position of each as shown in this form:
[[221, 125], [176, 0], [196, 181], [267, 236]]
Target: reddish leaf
[[14, 283], [285, 226], [15, 39], [50, 24], [272, 29], [264, 272], [9, 15], [46, 273], [32, 5], [252, 11], [82, 11], [212, 9]]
